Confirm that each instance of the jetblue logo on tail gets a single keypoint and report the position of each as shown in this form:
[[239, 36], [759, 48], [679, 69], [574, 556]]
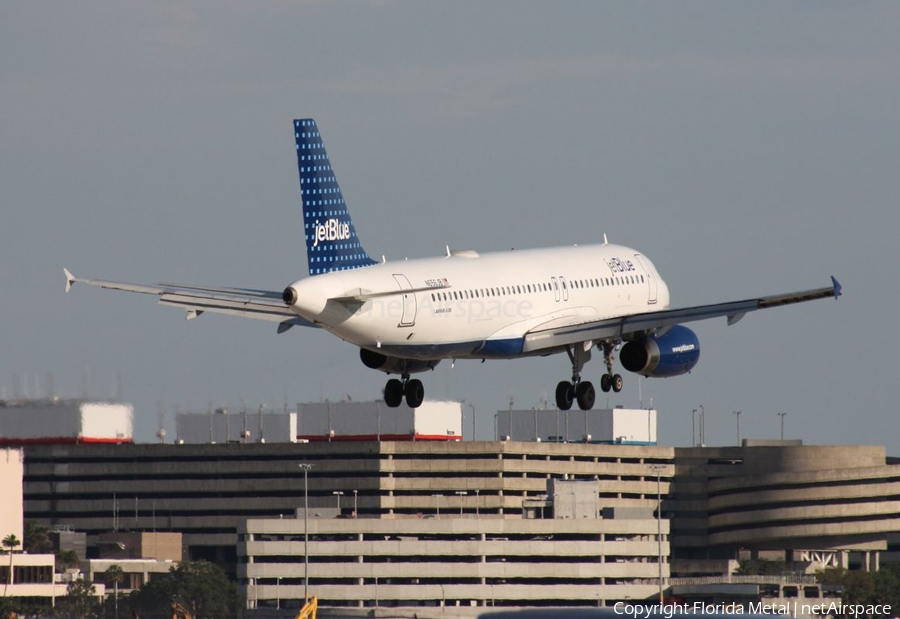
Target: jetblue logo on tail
[[331, 240], [331, 230]]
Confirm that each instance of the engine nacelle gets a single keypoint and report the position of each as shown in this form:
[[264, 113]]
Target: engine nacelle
[[673, 353], [395, 365]]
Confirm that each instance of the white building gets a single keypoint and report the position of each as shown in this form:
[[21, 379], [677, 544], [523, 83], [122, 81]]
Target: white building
[[32, 574], [12, 471]]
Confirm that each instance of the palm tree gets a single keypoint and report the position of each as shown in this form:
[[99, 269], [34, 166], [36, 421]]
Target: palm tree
[[10, 542], [115, 575]]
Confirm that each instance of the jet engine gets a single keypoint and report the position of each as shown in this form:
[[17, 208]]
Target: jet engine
[[395, 365], [672, 353]]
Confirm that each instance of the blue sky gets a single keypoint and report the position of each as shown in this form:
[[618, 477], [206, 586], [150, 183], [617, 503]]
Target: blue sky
[[747, 149]]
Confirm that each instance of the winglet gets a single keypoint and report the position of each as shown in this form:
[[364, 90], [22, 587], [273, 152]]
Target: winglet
[[605, 240], [837, 287], [70, 279]]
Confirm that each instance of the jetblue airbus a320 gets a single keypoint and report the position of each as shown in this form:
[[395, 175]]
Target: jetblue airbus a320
[[407, 316]]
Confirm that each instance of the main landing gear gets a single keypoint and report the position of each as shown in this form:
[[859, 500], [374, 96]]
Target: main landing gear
[[583, 391], [395, 389]]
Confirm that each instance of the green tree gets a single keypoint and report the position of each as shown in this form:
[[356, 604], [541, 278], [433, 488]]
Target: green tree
[[199, 587], [10, 542], [66, 559], [37, 538], [80, 601], [881, 587], [887, 586], [761, 567], [115, 575]]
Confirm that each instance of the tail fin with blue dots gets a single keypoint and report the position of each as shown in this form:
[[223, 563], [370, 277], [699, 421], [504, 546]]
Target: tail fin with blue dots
[[331, 241]]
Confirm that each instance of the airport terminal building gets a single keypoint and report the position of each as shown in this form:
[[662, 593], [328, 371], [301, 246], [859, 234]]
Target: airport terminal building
[[503, 522]]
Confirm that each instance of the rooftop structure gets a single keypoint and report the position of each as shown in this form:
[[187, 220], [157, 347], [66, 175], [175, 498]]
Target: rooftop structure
[[622, 426], [325, 421], [55, 422], [374, 421], [224, 426]]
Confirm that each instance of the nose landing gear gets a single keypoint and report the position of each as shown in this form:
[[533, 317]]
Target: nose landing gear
[[609, 380]]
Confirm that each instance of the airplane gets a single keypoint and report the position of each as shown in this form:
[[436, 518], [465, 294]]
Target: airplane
[[406, 317]]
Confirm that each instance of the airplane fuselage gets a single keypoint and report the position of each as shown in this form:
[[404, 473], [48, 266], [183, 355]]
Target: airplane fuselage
[[466, 305]]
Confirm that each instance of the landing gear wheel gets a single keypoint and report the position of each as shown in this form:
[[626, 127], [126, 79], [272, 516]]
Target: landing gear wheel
[[415, 393], [565, 395], [393, 393], [585, 395], [617, 383], [605, 383]]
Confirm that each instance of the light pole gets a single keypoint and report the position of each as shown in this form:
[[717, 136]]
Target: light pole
[[476, 504], [694, 428], [461, 494], [338, 494], [737, 415], [355, 504], [782, 415], [474, 412], [305, 467], [658, 468], [702, 426], [437, 502]]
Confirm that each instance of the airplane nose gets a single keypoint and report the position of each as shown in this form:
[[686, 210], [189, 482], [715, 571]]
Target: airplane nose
[[290, 296]]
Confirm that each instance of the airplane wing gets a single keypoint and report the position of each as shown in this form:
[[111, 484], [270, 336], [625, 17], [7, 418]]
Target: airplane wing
[[623, 327], [246, 302]]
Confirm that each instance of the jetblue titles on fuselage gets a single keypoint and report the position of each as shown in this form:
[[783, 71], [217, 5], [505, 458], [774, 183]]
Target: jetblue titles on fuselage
[[617, 265]]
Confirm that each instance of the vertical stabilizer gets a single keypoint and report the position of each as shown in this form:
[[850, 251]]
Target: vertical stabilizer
[[331, 240]]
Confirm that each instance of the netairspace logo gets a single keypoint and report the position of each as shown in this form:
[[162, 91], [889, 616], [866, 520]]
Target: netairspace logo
[[331, 230], [790, 609]]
